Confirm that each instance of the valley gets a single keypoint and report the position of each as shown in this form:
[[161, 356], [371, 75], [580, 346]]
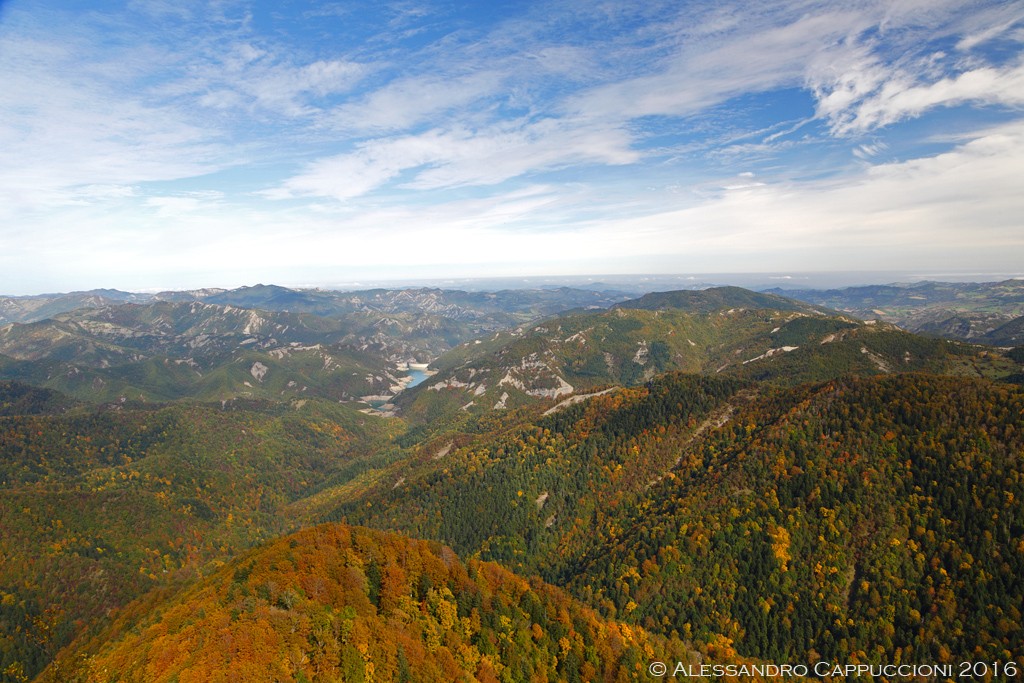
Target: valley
[[511, 342], [306, 485]]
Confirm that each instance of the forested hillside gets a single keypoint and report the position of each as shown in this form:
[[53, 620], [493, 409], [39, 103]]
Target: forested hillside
[[342, 603], [875, 519], [101, 505], [716, 484], [712, 332]]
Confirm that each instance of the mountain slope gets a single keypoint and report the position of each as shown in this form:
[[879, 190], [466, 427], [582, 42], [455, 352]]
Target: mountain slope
[[22, 399], [102, 505], [342, 603], [1007, 334], [164, 351], [875, 518], [26, 309], [523, 492], [631, 343], [955, 310], [720, 298]]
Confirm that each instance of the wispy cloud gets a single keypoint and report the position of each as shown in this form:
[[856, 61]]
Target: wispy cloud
[[260, 81], [888, 215], [407, 102], [838, 54], [623, 129], [69, 123], [454, 158], [891, 99], [712, 66]]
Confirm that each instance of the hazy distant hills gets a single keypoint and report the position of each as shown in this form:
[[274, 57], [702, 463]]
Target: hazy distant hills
[[718, 298], [718, 331], [522, 304], [25, 309], [272, 342], [262, 341], [716, 474], [955, 310], [1008, 334], [448, 303], [164, 351]]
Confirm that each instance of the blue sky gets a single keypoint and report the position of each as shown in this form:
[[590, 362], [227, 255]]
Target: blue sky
[[172, 144]]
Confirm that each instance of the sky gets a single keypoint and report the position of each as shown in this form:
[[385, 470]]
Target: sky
[[171, 144]]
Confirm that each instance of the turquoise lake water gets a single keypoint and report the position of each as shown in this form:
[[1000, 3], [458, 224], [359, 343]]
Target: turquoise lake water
[[417, 377]]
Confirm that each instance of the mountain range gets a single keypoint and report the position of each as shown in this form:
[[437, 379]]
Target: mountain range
[[718, 331], [203, 484], [261, 341], [988, 312]]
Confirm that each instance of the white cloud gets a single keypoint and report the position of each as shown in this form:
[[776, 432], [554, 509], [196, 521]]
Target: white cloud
[[868, 65], [65, 129], [896, 99], [712, 66], [959, 208], [989, 23], [250, 78], [186, 203], [866, 151], [406, 102], [93, 127], [876, 80], [509, 151], [445, 159], [90, 192], [171, 206]]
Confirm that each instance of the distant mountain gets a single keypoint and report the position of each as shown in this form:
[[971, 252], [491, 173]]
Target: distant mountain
[[164, 351], [494, 310], [188, 294], [523, 304], [719, 298], [262, 341], [23, 309], [275, 298], [723, 331], [1008, 334], [955, 310], [272, 342]]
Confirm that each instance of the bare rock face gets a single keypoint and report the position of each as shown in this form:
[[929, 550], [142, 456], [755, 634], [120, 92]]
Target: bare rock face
[[258, 371]]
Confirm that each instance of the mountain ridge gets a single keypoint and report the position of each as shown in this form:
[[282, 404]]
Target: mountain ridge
[[391, 608], [801, 467], [714, 332]]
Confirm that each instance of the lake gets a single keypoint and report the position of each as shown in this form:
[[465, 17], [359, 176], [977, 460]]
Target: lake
[[417, 377]]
